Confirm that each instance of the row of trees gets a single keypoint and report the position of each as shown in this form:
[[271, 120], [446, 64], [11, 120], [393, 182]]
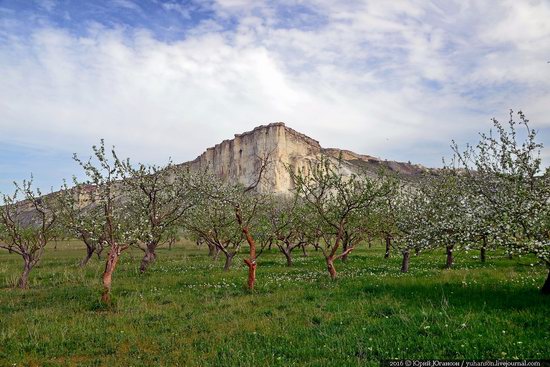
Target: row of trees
[[494, 194]]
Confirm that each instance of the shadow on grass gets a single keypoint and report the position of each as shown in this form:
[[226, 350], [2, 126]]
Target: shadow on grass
[[67, 298], [504, 297]]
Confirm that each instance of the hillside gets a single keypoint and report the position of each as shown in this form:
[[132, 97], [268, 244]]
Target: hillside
[[236, 160]]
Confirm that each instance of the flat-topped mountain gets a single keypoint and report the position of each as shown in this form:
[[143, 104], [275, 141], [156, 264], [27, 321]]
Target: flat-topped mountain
[[237, 159]]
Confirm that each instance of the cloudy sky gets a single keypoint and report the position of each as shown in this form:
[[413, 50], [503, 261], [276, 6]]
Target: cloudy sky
[[158, 79]]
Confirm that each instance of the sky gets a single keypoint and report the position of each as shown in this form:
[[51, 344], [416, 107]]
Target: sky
[[157, 79]]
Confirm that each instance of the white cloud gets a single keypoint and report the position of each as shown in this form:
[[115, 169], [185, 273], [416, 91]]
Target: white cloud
[[374, 77], [127, 4], [178, 8], [49, 5]]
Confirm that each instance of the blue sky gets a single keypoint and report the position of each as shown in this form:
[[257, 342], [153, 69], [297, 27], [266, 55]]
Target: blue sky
[[159, 79]]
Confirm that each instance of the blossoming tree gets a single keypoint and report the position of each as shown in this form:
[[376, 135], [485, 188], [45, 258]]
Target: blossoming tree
[[120, 229], [505, 171], [27, 224], [158, 198], [337, 203]]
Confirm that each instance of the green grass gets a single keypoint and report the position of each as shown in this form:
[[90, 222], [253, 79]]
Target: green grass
[[187, 312]]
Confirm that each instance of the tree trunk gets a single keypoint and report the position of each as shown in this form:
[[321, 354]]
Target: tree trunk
[[546, 287], [388, 247], [304, 251], [149, 257], [228, 261], [330, 267], [251, 261], [251, 273], [98, 252], [24, 278], [211, 250], [344, 249], [110, 266], [406, 260], [483, 250], [449, 262], [89, 253], [288, 257]]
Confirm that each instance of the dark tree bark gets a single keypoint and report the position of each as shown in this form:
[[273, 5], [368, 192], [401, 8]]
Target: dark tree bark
[[482, 254], [99, 252], [304, 253], [149, 257], [450, 259], [345, 246], [228, 260], [405, 263], [212, 250], [288, 257], [89, 253], [546, 287], [388, 247], [24, 278]]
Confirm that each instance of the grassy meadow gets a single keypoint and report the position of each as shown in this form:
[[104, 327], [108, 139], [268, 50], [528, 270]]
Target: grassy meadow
[[186, 311]]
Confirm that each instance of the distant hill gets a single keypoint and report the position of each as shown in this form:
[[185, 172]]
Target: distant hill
[[236, 160]]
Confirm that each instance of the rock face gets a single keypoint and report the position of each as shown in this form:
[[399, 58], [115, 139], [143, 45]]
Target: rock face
[[239, 159]]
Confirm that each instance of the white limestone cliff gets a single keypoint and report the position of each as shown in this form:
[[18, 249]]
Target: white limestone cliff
[[238, 159]]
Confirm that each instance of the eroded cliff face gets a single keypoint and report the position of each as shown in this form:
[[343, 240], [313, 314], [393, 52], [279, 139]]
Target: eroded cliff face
[[239, 159]]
